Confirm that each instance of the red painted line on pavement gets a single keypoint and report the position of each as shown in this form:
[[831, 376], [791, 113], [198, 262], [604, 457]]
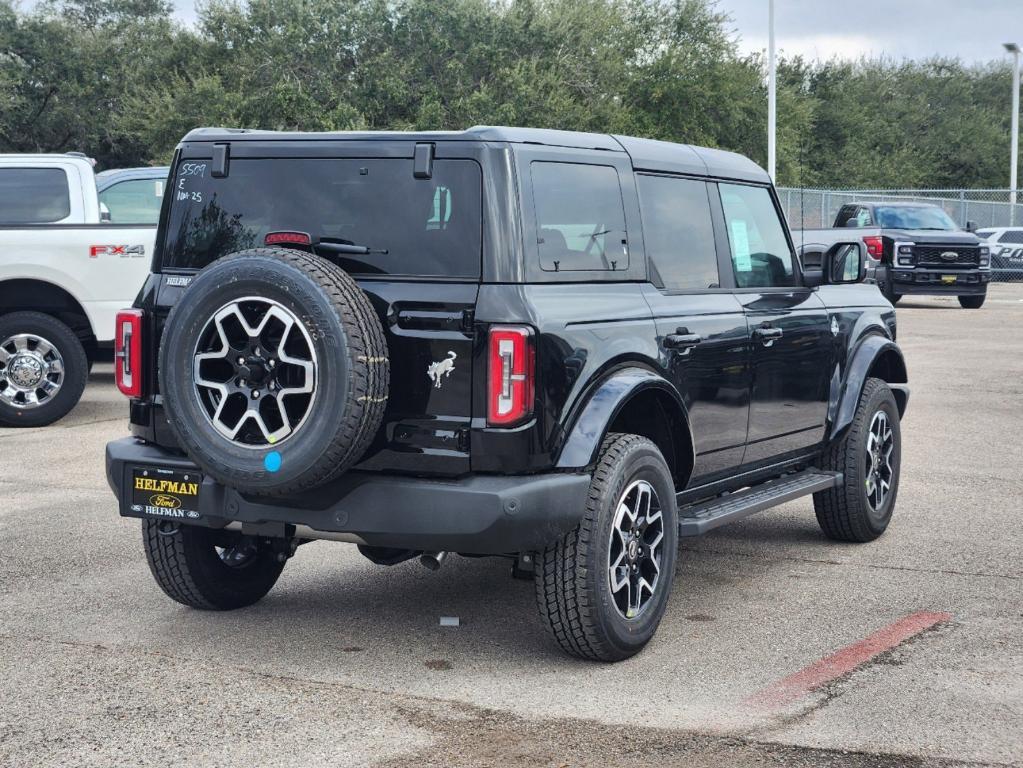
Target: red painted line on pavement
[[799, 684]]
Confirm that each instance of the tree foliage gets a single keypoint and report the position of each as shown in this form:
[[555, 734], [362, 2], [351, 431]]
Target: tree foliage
[[122, 81]]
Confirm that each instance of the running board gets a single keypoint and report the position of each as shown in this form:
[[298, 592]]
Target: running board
[[706, 516]]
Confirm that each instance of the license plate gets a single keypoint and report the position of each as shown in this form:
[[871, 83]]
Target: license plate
[[949, 279], [165, 492]]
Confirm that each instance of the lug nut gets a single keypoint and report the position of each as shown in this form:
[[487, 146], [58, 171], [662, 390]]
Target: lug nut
[[255, 394], [241, 382], [241, 361], [272, 362]]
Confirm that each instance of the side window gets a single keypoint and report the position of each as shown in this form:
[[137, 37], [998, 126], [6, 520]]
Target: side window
[[846, 214], [580, 217], [134, 202], [678, 232], [1012, 236], [761, 257], [863, 217], [33, 195]]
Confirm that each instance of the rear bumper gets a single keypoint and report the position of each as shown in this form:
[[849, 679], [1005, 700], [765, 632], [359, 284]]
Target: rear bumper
[[480, 514]]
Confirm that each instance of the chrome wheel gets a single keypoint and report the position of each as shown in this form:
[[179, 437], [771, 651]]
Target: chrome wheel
[[634, 555], [879, 469], [255, 372], [31, 371]]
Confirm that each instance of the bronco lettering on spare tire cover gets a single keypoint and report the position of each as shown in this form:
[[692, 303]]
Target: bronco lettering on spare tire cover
[[274, 371]]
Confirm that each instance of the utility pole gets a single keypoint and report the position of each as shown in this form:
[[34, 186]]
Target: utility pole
[[1015, 151], [772, 106]]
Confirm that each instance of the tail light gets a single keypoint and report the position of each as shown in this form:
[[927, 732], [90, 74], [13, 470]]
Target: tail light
[[875, 246], [511, 375], [128, 352]]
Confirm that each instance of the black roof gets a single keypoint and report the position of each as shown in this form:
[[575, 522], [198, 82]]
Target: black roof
[[646, 154]]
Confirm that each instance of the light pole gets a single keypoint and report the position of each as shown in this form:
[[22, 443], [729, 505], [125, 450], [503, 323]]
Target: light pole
[[771, 98], [1014, 49]]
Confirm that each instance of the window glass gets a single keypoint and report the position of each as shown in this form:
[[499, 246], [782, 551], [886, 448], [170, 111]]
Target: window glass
[[761, 256], [846, 214], [33, 195], [678, 233], [134, 202], [580, 217], [421, 227], [1012, 236], [914, 217]]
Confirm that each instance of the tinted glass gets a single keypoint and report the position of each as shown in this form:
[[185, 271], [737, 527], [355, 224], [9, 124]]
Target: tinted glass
[[428, 227], [678, 232], [580, 218], [760, 252], [1012, 236], [913, 217], [33, 195], [134, 202]]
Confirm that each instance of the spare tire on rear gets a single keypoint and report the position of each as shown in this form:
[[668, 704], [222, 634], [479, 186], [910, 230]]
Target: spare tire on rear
[[274, 371]]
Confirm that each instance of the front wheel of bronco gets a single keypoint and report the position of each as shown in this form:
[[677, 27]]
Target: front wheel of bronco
[[869, 456], [603, 588], [210, 569]]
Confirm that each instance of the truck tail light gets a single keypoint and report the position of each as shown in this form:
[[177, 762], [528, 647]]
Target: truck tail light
[[875, 246], [128, 352], [511, 375]]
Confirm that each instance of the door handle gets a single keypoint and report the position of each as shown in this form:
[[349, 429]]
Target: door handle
[[682, 339], [767, 334]]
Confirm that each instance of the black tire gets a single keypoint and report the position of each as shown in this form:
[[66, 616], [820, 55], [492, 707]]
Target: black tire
[[75, 366], [573, 590], [847, 513], [972, 302], [344, 338], [186, 563]]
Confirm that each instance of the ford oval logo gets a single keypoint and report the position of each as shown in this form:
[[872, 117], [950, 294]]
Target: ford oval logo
[[949, 256], [164, 500]]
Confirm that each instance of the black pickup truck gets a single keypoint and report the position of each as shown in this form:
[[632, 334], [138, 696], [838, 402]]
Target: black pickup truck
[[912, 249], [566, 349]]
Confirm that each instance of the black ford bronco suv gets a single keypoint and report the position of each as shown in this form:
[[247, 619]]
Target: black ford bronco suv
[[566, 349]]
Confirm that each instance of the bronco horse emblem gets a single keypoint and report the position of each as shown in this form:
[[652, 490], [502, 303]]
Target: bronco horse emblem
[[441, 368]]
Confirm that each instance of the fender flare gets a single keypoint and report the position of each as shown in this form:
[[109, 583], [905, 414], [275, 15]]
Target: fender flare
[[606, 400], [845, 398]]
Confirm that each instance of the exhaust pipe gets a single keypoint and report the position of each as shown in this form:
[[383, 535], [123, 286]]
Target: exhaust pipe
[[433, 560]]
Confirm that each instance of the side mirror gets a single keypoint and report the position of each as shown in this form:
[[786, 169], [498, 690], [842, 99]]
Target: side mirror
[[971, 226], [845, 263]]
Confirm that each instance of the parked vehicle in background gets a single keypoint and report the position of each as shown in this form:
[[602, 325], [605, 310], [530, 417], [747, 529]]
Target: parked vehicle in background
[[132, 195], [566, 349], [1006, 244], [914, 249], [64, 274]]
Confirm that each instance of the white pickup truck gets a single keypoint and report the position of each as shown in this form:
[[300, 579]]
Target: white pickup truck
[[65, 271]]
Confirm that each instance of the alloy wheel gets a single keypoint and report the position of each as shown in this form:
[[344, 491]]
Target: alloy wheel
[[634, 555], [255, 372], [879, 469]]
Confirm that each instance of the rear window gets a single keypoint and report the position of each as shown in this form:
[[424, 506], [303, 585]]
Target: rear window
[[33, 195], [428, 227]]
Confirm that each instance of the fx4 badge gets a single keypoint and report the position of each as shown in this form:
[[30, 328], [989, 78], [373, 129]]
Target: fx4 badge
[[441, 368], [124, 251]]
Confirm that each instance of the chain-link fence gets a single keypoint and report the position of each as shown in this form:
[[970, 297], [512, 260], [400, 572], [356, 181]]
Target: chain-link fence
[[996, 218]]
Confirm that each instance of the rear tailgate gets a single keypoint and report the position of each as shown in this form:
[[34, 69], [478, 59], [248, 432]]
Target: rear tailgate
[[422, 274]]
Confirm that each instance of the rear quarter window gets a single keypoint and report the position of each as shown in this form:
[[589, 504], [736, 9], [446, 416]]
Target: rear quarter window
[[33, 195], [426, 227], [580, 217]]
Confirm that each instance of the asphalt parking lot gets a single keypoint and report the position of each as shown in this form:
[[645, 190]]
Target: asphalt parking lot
[[344, 663]]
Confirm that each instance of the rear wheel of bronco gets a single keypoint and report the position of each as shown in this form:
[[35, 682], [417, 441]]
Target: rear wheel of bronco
[[274, 371], [869, 457], [43, 369], [210, 569], [603, 588], [972, 302]]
